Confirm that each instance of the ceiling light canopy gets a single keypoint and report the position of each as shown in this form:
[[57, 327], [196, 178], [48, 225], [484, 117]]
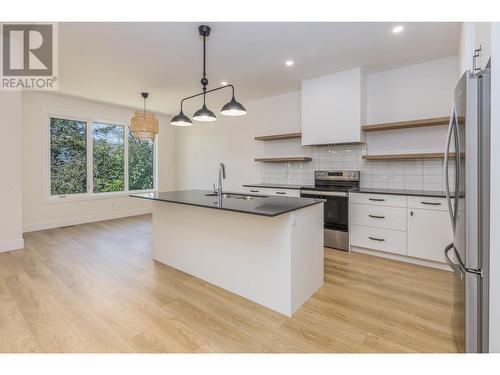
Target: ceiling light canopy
[[144, 125], [397, 29], [232, 108]]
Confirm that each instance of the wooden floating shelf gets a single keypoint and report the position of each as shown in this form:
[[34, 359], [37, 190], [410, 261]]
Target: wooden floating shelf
[[276, 137], [428, 155], [294, 158], [437, 121]]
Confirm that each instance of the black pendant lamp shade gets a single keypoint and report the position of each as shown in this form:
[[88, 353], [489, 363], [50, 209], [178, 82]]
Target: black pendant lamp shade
[[232, 108], [181, 120], [204, 115]]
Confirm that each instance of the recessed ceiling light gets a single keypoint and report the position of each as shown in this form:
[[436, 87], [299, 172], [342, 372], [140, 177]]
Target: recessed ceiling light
[[397, 29], [289, 62], [223, 83]]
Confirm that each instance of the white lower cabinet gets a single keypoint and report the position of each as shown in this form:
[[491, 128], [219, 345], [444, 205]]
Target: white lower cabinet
[[391, 241], [379, 216], [272, 191], [429, 232], [416, 227]]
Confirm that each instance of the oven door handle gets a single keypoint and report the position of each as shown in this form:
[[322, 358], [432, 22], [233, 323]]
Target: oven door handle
[[325, 193]]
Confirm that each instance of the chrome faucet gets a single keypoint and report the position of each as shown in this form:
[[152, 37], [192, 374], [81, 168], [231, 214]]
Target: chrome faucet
[[222, 175]]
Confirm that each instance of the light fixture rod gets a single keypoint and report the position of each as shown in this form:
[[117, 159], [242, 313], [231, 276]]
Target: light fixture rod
[[204, 63], [206, 92]]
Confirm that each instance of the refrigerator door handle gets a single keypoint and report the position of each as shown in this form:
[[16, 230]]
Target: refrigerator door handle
[[457, 268], [445, 166], [458, 168]]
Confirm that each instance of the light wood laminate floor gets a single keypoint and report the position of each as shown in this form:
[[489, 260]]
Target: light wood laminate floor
[[95, 288]]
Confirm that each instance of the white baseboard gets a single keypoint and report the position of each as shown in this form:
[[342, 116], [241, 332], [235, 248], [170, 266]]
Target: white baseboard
[[84, 219], [11, 245], [402, 258]]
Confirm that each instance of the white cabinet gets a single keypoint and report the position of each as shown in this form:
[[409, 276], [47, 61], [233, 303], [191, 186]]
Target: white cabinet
[[378, 199], [272, 191], [333, 108], [428, 203], [391, 241], [416, 227], [379, 216], [429, 232]]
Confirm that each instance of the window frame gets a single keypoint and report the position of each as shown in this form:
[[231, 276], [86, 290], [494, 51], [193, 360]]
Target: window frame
[[90, 195]]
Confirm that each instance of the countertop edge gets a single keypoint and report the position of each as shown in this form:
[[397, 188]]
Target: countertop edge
[[430, 194], [228, 209], [277, 186]]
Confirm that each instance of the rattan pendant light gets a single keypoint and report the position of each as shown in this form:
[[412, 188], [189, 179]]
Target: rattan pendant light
[[144, 125]]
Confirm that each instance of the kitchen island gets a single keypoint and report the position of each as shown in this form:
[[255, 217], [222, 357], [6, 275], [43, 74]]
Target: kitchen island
[[267, 249]]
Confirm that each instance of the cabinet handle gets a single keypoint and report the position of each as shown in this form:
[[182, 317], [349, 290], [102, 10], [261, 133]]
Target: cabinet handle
[[432, 203], [376, 239], [377, 199], [377, 216], [254, 191], [281, 192]]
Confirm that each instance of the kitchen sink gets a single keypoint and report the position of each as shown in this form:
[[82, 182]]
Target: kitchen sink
[[237, 196]]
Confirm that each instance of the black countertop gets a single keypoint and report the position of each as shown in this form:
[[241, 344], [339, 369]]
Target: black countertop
[[417, 193], [280, 186], [263, 205]]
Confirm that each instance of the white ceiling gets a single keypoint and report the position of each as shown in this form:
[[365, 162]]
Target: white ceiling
[[114, 62]]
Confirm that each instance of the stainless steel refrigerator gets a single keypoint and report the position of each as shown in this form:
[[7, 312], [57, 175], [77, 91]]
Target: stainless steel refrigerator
[[467, 175]]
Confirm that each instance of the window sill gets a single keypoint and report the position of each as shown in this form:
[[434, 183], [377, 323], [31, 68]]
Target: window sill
[[94, 196]]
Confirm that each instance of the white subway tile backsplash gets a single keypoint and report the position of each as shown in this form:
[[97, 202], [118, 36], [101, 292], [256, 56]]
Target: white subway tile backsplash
[[420, 174]]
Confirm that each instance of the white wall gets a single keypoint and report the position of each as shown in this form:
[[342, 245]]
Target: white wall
[[474, 35], [10, 171], [466, 47], [408, 93], [38, 213], [231, 140], [417, 91], [412, 92], [495, 187]]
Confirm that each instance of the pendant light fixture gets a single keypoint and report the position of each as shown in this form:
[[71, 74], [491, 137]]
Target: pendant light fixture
[[144, 125], [232, 108]]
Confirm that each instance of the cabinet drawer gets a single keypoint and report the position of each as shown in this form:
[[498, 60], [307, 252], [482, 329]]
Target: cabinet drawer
[[378, 199], [286, 192], [379, 216], [429, 203], [273, 191], [391, 241]]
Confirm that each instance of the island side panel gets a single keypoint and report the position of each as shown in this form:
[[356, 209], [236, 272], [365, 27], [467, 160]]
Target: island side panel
[[307, 254], [246, 254]]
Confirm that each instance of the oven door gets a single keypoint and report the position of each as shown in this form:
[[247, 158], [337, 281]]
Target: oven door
[[336, 208]]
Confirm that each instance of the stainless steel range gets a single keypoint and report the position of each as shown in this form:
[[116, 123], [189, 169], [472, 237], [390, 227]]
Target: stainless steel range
[[334, 187]]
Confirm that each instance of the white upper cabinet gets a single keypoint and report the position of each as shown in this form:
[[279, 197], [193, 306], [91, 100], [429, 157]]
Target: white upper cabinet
[[333, 108]]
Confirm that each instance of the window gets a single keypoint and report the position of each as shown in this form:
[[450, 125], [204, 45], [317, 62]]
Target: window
[[108, 150], [93, 157], [140, 163], [68, 156]]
